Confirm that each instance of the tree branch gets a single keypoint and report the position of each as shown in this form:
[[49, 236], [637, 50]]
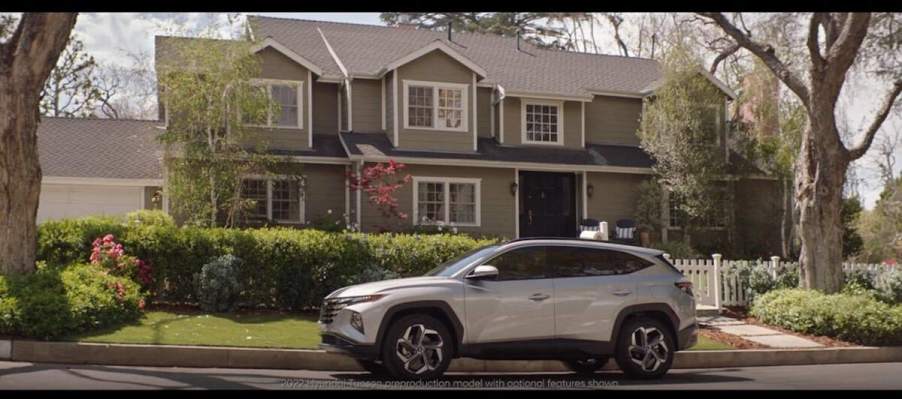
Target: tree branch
[[765, 53], [862, 147], [41, 38], [722, 56], [843, 51], [814, 50]]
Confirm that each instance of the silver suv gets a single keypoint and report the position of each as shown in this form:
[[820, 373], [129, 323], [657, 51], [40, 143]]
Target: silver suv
[[579, 301]]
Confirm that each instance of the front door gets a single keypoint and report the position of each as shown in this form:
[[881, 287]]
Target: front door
[[547, 204]]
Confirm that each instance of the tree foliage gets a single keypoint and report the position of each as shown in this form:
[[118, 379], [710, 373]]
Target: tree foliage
[[380, 182], [210, 98], [881, 227], [678, 129], [70, 90]]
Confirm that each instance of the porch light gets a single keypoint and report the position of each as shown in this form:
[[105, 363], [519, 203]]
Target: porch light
[[589, 190], [514, 186]]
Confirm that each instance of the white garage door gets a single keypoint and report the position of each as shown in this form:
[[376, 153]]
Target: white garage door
[[76, 200]]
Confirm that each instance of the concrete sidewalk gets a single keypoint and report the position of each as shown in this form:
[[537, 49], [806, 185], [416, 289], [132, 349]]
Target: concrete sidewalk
[[761, 335]]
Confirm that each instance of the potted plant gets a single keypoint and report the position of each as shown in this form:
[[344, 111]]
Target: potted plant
[[648, 211]]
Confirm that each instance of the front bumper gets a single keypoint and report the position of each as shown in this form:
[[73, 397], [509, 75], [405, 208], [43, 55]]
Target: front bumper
[[336, 343], [687, 337]]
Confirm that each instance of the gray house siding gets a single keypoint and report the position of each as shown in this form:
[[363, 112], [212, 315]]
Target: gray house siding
[[325, 108], [366, 100], [434, 67]]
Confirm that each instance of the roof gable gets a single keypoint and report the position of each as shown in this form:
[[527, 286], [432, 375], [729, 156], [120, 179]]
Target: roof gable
[[269, 42], [435, 46]]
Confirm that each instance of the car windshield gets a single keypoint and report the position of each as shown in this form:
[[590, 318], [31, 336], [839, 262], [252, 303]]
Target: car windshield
[[454, 265]]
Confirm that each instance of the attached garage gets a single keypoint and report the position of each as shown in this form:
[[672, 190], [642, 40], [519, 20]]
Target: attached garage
[[97, 167]]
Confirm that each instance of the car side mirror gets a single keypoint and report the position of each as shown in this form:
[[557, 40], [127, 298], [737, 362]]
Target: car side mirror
[[483, 272]]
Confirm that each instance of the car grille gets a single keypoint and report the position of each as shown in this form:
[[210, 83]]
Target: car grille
[[330, 308]]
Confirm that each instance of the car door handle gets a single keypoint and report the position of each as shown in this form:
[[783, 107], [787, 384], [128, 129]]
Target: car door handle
[[539, 297], [622, 292]]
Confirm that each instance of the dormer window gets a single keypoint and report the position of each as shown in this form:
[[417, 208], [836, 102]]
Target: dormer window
[[542, 122], [435, 106]]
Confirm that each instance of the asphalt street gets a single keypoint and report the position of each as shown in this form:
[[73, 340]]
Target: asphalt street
[[16, 375]]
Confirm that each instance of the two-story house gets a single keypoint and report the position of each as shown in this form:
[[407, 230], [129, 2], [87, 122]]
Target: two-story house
[[499, 136]]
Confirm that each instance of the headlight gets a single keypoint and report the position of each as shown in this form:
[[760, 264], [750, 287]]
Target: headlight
[[352, 300]]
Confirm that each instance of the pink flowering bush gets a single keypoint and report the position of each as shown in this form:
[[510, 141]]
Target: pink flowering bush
[[110, 255]]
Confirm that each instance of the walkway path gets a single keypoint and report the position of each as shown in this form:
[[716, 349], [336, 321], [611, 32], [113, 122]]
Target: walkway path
[[761, 335]]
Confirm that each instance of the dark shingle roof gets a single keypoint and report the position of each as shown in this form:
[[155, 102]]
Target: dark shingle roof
[[324, 145], [106, 148], [365, 49], [378, 145]]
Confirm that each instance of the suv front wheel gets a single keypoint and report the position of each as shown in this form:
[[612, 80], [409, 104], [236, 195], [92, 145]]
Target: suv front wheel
[[417, 347], [645, 348]]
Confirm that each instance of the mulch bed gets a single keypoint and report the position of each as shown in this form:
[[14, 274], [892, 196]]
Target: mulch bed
[[741, 314], [735, 341]]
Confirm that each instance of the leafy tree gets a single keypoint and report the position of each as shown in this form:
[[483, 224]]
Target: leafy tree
[[834, 41], [678, 129], [380, 182], [536, 28], [881, 227], [210, 100], [70, 90], [851, 241], [27, 57]]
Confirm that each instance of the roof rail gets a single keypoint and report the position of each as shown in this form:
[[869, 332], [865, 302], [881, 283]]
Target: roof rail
[[575, 239]]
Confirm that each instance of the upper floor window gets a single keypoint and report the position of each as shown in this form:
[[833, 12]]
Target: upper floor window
[[433, 105], [289, 96], [542, 122], [446, 200]]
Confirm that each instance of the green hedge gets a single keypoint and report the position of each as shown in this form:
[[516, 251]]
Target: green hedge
[[59, 301], [281, 267], [850, 317]]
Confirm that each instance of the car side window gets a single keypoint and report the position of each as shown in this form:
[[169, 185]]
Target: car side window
[[569, 261], [521, 264]]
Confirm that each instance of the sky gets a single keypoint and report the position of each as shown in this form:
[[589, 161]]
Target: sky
[[110, 37]]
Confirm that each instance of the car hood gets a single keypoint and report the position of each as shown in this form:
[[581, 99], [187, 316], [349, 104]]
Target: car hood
[[385, 286]]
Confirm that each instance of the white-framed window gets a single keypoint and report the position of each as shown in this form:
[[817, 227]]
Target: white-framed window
[[289, 95], [279, 199], [542, 122], [447, 200], [435, 106]]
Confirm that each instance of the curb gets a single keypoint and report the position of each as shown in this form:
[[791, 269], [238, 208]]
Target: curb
[[229, 357], [6, 349]]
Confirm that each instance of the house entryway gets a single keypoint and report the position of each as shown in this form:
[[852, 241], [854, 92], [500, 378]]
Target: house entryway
[[547, 204]]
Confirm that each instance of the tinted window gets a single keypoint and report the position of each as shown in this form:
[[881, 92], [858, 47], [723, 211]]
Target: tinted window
[[454, 265], [520, 264], [581, 261]]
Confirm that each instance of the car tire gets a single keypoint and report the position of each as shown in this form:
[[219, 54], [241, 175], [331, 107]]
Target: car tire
[[587, 366], [417, 347], [372, 367], [645, 348]]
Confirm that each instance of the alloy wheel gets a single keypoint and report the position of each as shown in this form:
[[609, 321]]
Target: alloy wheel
[[647, 348], [419, 349]]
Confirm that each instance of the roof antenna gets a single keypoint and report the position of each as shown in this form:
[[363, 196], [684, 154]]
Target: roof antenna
[[449, 31]]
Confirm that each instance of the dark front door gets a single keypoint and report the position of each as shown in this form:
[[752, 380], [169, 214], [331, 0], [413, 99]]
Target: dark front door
[[547, 204]]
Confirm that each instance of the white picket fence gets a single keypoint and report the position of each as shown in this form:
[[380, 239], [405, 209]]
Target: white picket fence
[[713, 283]]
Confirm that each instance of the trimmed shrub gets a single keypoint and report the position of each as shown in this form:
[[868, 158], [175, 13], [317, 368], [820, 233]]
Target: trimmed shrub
[[374, 273], [54, 302], [280, 268], [859, 278], [147, 217], [889, 286], [217, 284], [856, 318]]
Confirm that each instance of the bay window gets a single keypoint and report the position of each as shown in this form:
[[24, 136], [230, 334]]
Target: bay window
[[444, 200], [435, 106]]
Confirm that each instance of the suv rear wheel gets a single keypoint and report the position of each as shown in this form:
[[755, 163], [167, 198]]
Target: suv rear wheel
[[417, 347], [645, 348], [587, 366]]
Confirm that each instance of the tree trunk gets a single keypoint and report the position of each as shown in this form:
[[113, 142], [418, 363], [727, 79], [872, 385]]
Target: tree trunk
[[20, 177], [821, 174], [786, 219], [26, 60]]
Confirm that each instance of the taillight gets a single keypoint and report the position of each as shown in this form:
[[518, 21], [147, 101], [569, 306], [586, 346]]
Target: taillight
[[685, 286]]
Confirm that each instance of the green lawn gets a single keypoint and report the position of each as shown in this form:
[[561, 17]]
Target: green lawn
[[270, 330], [706, 344]]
